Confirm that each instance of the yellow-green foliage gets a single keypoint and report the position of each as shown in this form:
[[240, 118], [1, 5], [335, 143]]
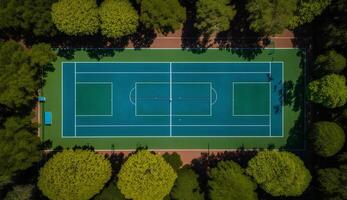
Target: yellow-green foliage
[[327, 138], [330, 91], [118, 18], [74, 175], [76, 17], [228, 181], [279, 173], [146, 176]]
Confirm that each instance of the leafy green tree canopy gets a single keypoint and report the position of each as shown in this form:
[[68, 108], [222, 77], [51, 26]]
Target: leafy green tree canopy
[[333, 182], [307, 10], [229, 182], [20, 192], [110, 192], [76, 17], [162, 15], [146, 176], [19, 148], [19, 72], [214, 15], [27, 15], [330, 91], [328, 138], [279, 173], [186, 186], [118, 18], [331, 61], [270, 17], [77, 175], [174, 160], [334, 29]]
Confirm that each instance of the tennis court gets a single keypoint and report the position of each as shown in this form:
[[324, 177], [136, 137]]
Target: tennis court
[[172, 99]]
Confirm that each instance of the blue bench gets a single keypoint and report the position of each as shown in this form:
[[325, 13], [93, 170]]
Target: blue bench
[[42, 99], [48, 118]]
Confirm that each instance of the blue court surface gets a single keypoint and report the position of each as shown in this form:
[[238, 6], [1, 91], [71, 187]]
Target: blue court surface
[[172, 99]]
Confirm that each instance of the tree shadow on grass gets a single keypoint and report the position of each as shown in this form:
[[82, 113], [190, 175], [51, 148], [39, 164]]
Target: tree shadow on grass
[[116, 159], [192, 39], [143, 38], [66, 53], [295, 99], [239, 39]]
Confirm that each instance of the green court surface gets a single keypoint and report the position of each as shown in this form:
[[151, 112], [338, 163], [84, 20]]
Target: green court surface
[[177, 99]]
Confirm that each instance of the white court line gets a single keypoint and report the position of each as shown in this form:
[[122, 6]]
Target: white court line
[[135, 98], [270, 103], [197, 72], [216, 98], [211, 109], [170, 101], [175, 136], [215, 72], [62, 100], [178, 62], [130, 99], [75, 101], [282, 103], [112, 99], [167, 125], [178, 83]]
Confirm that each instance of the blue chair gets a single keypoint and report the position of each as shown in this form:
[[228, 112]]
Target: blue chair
[[48, 118]]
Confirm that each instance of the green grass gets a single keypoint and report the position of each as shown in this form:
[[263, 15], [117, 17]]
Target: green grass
[[251, 99], [293, 116]]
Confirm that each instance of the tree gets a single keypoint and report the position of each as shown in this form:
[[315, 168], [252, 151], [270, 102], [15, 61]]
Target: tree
[[118, 18], [19, 148], [186, 186], [214, 15], [111, 192], [174, 160], [146, 176], [20, 73], [307, 10], [327, 138], [330, 91], [229, 182], [333, 182], [76, 17], [270, 17], [331, 61], [279, 173], [162, 15], [334, 28], [27, 15], [77, 175], [20, 192]]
